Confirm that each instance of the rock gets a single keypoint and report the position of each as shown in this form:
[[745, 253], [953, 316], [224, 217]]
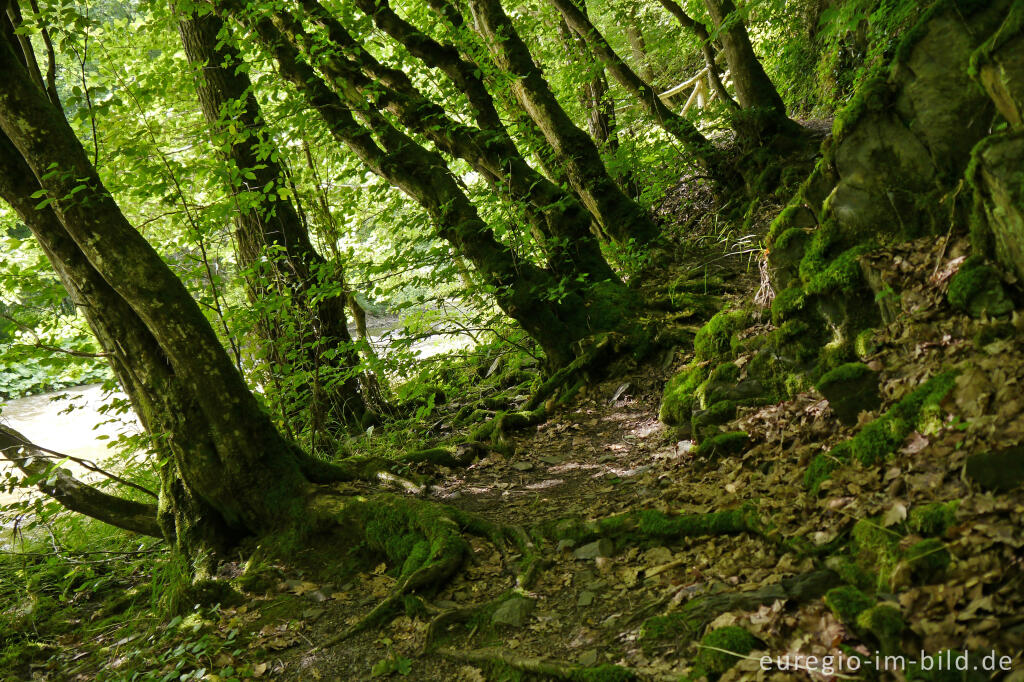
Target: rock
[[513, 612], [522, 466], [850, 389], [1000, 471], [1001, 198], [551, 460], [717, 392], [595, 549], [588, 658], [977, 289], [586, 598]]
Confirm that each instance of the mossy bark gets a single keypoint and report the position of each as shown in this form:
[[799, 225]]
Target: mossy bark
[[223, 86], [598, 304]]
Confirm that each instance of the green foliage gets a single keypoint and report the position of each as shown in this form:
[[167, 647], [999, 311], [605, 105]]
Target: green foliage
[[932, 519]]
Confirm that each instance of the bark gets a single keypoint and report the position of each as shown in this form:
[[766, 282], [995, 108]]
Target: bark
[[518, 285], [563, 224], [702, 151], [637, 44], [753, 87], [707, 48], [222, 85], [593, 93], [618, 215], [229, 472], [137, 517]]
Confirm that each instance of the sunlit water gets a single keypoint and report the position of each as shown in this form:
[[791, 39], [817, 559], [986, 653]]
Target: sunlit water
[[84, 431]]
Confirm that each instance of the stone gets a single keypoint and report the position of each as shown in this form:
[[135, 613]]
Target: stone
[[514, 612], [999, 471], [595, 549], [850, 389], [522, 466]]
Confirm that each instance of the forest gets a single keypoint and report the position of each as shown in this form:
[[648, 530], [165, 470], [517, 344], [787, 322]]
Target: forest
[[511, 340]]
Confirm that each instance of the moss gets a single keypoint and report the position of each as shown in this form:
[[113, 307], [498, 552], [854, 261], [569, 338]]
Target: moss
[[604, 673], [789, 302], [847, 602], [823, 464], [672, 626], [678, 399], [977, 289], [713, 657], [873, 95], [885, 623], [933, 519], [864, 344], [719, 413], [879, 439], [715, 339], [928, 560], [771, 370], [851, 371], [723, 445], [849, 572], [877, 549], [655, 524]]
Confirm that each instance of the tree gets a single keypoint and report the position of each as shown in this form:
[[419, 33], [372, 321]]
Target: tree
[[592, 300], [273, 233], [707, 49]]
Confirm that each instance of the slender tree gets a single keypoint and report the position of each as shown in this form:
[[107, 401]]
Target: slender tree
[[272, 233], [594, 299], [753, 87], [698, 146]]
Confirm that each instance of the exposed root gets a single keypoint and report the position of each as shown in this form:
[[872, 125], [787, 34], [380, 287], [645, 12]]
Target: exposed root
[[540, 666], [652, 524]]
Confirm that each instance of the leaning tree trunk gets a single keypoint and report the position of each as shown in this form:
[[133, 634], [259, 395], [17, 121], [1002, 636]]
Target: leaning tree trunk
[[753, 87], [618, 215], [593, 93], [707, 49], [520, 288], [703, 152], [223, 86]]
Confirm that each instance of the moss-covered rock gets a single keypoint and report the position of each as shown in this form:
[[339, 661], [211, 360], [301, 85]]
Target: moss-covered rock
[[876, 549], [679, 396], [932, 520], [715, 340], [977, 289], [723, 445], [847, 603], [851, 388], [714, 657], [886, 624], [706, 421], [928, 560]]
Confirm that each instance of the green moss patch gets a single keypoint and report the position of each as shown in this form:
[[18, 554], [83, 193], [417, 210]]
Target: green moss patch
[[722, 647], [977, 289], [847, 603]]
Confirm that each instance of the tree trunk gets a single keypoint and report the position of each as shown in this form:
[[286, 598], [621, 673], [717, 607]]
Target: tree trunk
[[563, 224], [618, 215], [753, 87], [637, 45], [703, 152], [707, 48], [222, 85], [519, 286], [593, 93], [229, 473]]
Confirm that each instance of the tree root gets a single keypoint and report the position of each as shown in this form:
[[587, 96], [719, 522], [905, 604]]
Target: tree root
[[540, 666], [652, 524]]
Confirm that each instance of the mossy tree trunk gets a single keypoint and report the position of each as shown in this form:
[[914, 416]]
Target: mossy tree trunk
[[753, 87], [225, 96], [576, 154], [707, 49], [226, 472], [600, 303], [700, 149]]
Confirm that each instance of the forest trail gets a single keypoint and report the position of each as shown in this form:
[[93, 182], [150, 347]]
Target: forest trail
[[600, 603]]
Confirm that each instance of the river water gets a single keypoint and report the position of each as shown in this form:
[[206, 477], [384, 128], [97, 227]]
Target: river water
[[68, 421]]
